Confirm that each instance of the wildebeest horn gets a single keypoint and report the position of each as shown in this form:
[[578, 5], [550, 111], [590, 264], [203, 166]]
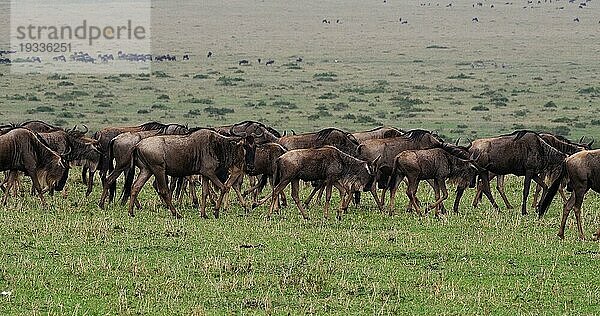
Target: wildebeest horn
[[73, 129], [284, 133], [258, 135], [63, 155], [293, 132], [591, 142], [86, 129], [457, 141]]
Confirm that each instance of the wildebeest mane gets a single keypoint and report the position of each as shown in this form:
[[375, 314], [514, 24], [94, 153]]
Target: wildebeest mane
[[418, 134], [152, 126], [249, 122]]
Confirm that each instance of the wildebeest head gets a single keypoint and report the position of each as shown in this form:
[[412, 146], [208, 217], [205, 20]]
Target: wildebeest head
[[54, 172], [82, 147], [262, 133], [346, 142], [249, 147]]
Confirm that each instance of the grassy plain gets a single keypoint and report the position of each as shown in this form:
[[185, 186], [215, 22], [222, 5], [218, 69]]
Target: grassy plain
[[367, 70]]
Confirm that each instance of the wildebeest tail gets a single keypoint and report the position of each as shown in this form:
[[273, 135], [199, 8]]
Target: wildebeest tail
[[552, 191], [276, 173]]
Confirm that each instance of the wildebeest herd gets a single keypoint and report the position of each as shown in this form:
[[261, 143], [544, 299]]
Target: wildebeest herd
[[220, 158]]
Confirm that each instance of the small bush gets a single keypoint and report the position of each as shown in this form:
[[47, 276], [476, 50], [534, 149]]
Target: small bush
[[461, 76], [41, 109], [163, 97], [214, 111], [201, 76], [328, 96], [479, 108], [550, 104]]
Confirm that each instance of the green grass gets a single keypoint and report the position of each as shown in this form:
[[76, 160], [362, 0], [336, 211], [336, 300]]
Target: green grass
[[73, 258]]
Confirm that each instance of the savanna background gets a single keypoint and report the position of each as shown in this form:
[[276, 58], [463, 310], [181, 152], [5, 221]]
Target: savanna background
[[522, 65]]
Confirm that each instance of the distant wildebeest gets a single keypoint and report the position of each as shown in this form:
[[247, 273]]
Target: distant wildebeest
[[121, 150], [270, 62], [522, 153], [209, 55], [22, 150], [60, 58], [243, 62], [475, 20], [186, 57], [377, 133], [437, 164], [583, 173], [299, 60], [201, 151], [5, 61], [326, 164]]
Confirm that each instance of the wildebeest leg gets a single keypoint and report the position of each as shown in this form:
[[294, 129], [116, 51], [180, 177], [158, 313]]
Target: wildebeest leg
[[129, 176], [440, 185], [540, 184], [37, 186], [566, 210], [376, 198], [526, 187], [459, 193], [561, 189], [536, 193], [275, 195], [90, 183], [205, 193], [312, 194], [112, 177], [237, 188], [327, 200], [485, 181], [357, 198], [162, 187], [579, 195], [254, 189], [192, 186], [222, 187], [296, 197], [142, 178], [84, 171], [500, 180], [393, 189], [411, 192]]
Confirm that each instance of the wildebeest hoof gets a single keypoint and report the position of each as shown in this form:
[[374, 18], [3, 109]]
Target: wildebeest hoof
[[561, 236], [131, 214], [204, 216]]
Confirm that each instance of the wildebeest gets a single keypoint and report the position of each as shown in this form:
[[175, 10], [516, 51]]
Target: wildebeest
[[243, 62], [121, 151], [209, 55], [437, 164], [388, 149], [522, 153], [561, 144], [377, 133], [583, 172], [269, 62], [327, 164], [104, 137], [342, 140], [264, 166], [262, 134], [22, 150], [39, 126], [201, 151]]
